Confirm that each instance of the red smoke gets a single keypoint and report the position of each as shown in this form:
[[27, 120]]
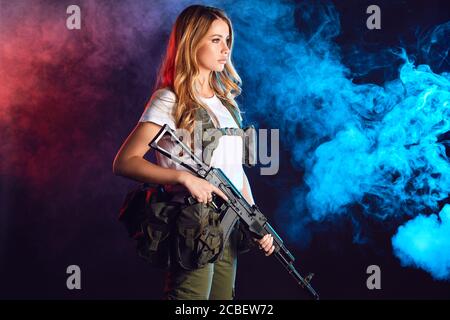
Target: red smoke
[[54, 94]]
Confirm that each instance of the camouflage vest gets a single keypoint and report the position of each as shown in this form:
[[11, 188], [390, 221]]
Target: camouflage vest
[[170, 233], [210, 135]]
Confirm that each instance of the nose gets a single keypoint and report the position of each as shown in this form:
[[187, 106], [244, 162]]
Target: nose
[[225, 50]]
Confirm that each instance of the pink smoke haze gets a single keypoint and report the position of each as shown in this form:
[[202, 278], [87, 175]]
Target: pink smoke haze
[[59, 100]]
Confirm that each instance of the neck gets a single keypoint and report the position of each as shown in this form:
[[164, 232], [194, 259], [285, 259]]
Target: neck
[[202, 84]]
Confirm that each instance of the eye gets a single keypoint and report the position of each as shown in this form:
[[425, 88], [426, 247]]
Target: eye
[[215, 40]]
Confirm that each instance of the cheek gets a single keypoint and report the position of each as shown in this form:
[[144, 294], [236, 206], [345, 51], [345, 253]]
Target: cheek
[[205, 54], [200, 54]]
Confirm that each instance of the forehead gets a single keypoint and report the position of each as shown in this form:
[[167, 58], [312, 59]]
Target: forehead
[[219, 26]]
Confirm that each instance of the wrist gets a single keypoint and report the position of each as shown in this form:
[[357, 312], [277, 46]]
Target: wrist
[[181, 177]]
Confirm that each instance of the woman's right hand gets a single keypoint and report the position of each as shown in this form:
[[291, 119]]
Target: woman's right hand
[[199, 188]]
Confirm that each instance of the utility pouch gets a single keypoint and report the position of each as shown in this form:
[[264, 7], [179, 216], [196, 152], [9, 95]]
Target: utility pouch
[[199, 237], [148, 216], [169, 232]]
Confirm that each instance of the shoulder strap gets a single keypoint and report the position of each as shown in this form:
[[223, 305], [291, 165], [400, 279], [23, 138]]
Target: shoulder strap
[[233, 111], [210, 143]]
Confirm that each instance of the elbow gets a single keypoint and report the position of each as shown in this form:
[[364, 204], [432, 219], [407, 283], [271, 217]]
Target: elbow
[[116, 167], [115, 170], [121, 166]]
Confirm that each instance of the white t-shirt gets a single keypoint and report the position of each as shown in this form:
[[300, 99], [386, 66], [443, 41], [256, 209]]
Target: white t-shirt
[[228, 154]]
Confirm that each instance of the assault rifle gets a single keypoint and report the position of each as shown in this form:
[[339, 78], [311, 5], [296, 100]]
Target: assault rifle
[[236, 208]]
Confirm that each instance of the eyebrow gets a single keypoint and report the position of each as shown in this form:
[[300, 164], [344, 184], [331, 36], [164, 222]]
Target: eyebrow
[[218, 35]]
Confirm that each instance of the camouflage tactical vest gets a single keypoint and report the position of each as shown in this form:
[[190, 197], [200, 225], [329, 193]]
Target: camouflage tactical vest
[[168, 232], [210, 135]]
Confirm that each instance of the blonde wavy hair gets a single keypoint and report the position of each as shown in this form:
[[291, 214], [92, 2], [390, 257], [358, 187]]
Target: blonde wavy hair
[[179, 69]]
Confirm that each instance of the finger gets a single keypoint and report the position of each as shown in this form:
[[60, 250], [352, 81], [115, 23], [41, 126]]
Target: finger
[[267, 246], [259, 241], [202, 199], [269, 243], [262, 240], [270, 252], [220, 193], [206, 197], [266, 239]]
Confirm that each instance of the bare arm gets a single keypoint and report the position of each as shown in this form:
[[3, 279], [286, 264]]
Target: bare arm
[[247, 191], [130, 163]]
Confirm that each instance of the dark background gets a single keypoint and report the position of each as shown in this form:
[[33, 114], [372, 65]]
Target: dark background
[[59, 199]]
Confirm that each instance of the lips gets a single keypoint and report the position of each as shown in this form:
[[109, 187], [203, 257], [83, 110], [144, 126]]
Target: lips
[[223, 61]]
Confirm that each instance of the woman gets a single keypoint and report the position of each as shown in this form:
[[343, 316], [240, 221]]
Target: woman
[[196, 73]]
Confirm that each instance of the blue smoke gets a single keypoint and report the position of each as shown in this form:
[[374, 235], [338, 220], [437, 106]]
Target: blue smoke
[[376, 146], [396, 159], [424, 242]]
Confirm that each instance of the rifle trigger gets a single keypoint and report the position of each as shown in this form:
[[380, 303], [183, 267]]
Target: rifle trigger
[[309, 277]]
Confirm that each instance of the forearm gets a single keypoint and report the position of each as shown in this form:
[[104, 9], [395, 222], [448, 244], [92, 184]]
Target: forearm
[[139, 169], [247, 192]]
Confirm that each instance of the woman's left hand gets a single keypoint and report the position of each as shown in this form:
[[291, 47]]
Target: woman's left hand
[[266, 244]]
